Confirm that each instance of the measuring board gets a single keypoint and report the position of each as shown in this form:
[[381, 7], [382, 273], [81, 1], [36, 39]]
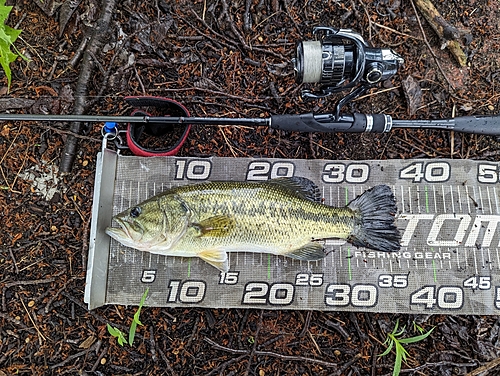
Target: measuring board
[[448, 214]]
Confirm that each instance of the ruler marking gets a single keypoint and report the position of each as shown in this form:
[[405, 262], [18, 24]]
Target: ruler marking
[[468, 198], [418, 198], [474, 254], [459, 198], [481, 199], [435, 199], [409, 200], [426, 200], [489, 199], [444, 199], [478, 206], [268, 266], [349, 263], [496, 199], [452, 200], [402, 200]]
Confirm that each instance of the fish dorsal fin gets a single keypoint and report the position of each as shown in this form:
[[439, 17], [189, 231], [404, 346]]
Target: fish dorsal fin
[[309, 252], [300, 187], [215, 226], [216, 258]]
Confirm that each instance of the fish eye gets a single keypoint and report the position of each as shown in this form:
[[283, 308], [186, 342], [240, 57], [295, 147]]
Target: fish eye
[[135, 212]]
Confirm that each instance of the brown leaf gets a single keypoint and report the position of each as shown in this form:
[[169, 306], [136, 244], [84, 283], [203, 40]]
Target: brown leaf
[[413, 94], [87, 343]]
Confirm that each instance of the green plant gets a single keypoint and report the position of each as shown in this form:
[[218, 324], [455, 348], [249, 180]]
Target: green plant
[[394, 340], [120, 336], [8, 36]]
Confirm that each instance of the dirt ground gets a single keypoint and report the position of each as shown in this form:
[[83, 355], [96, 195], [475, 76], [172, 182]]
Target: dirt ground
[[219, 58]]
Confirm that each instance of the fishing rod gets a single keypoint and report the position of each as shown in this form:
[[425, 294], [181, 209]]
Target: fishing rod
[[337, 60], [310, 122]]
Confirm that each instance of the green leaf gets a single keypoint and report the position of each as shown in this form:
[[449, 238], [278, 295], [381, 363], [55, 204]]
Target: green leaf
[[115, 332], [8, 36]]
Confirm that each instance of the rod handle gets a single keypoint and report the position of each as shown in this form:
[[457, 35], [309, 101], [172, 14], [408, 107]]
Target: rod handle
[[355, 123], [487, 125]]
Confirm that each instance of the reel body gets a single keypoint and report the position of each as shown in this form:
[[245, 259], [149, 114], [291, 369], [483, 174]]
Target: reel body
[[341, 59]]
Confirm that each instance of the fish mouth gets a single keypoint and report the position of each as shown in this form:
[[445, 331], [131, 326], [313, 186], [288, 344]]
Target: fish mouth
[[122, 233]]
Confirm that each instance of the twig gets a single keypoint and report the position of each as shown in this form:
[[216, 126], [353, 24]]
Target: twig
[[16, 269], [22, 283], [152, 344], [341, 370], [74, 356], [271, 354], [485, 368], [396, 31], [224, 365], [93, 46], [53, 297], [5, 155], [22, 164], [254, 347], [429, 46], [307, 322], [40, 335], [16, 322], [167, 363], [339, 328], [99, 358]]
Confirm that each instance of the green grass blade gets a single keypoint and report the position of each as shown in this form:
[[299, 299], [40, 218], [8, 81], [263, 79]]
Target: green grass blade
[[388, 349], [136, 321], [416, 338]]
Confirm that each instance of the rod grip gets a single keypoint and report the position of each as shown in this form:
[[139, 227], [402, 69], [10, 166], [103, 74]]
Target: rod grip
[[487, 125], [356, 123]]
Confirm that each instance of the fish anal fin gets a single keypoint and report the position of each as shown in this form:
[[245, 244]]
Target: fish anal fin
[[218, 225], [216, 258], [310, 252]]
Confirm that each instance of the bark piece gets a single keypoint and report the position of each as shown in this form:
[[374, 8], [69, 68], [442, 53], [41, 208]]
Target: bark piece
[[443, 29]]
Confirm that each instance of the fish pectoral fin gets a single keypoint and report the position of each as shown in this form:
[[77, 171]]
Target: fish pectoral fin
[[310, 252], [215, 258], [216, 226]]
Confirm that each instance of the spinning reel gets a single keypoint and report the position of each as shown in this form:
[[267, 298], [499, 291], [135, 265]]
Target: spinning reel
[[339, 60]]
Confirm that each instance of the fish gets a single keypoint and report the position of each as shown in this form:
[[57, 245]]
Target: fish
[[283, 216]]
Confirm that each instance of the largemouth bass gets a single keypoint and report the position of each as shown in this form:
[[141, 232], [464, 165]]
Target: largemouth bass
[[283, 216]]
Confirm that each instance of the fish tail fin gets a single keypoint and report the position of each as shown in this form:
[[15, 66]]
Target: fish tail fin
[[375, 227]]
